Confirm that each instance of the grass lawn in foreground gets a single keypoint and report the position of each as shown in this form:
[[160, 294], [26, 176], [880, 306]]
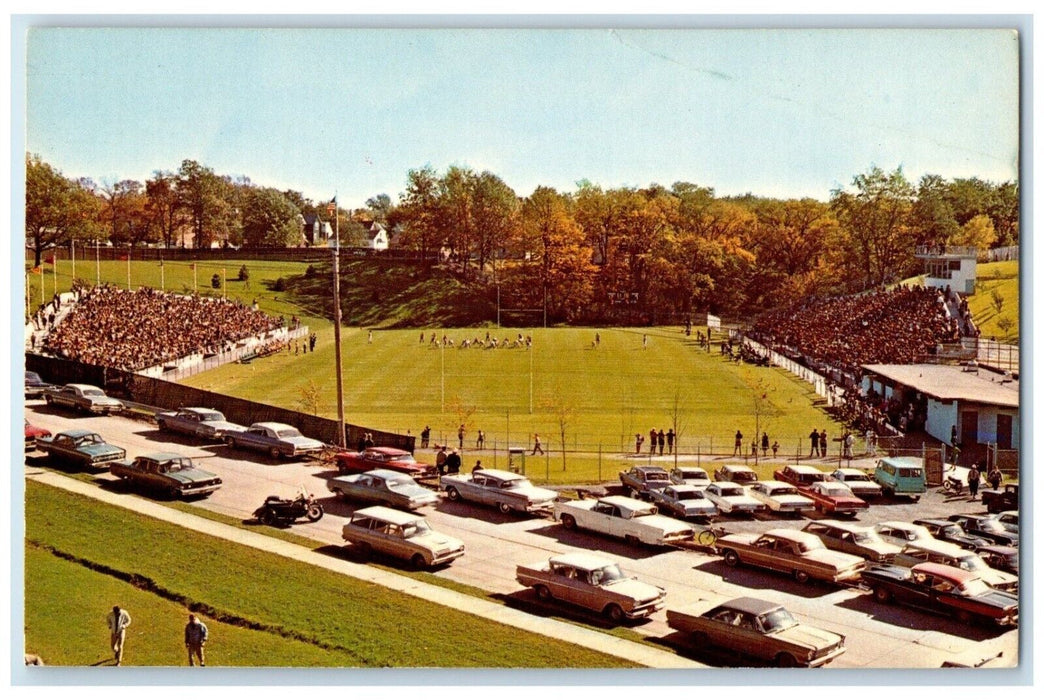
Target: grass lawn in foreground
[[304, 615]]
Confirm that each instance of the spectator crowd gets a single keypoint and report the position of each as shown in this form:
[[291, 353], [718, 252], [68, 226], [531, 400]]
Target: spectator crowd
[[132, 330], [898, 326]]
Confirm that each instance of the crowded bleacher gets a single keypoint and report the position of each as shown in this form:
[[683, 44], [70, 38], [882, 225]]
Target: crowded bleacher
[[898, 326], [134, 330]]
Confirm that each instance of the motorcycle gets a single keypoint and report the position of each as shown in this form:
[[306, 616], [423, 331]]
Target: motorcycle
[[286, 511], [952, 485]]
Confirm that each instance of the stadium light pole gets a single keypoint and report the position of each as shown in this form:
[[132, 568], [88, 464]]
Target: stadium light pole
[[97, 262], [337, 323]]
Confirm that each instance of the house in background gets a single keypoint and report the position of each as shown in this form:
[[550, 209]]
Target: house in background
[[376, 235], [315, 231]]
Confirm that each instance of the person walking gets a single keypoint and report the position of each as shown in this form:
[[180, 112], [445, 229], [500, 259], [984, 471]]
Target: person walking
[[652, 441], [661, 440], [764, 444], [460, 436], [848, 442], [536, 444], [195, 639], [973, 481], [480, 441], [814, 437], [822, 443], [670, 441], [871, 442], [775, 448], [737, 448], [638, 440], [425, 435], [994, 477], [119, 620]]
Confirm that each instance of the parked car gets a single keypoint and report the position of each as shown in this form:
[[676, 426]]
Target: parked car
[[405, 536], [1001, 558], [760, 629], [780, 497], [691, 476], [833, 497], [198, 422], [167, 473], [735, 473], [507, 491], [593, 581], [382, 486], [732, 499], [800, 475], [35, 386], [619, 516], [850, 538], [901, 476], [638, 482], [902, 534], [383, 458], [684, 501], [859, 481], [32, 432], [82, 448], [952, 555], [82, 397], [279, 440], [986, 526], [1004, 498], [1009, 519], [953, 533], [800, 554], [943, 589]]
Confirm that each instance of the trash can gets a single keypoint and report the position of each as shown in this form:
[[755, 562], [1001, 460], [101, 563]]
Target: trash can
[[517, 460]]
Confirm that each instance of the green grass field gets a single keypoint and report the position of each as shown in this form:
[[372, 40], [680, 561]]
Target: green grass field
[[262, 610]]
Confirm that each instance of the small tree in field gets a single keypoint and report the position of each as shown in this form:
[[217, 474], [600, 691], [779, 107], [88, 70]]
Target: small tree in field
[[311, 396], [564, 412]]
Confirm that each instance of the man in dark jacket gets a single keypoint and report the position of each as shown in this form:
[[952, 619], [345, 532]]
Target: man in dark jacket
[[195, 639]]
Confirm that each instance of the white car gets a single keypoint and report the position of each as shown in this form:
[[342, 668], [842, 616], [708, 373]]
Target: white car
[[618, 516], [736, 473], [860, 482], [731, 498], [691, 476], [780, 497], [902, 534]]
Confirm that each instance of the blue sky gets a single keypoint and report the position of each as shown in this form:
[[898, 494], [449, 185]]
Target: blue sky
[[784, 113]]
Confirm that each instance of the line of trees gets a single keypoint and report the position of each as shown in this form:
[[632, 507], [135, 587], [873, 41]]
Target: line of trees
[[628, 254]]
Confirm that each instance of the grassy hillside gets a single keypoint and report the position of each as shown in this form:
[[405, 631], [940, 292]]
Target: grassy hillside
[[262, 610], [995, 303]]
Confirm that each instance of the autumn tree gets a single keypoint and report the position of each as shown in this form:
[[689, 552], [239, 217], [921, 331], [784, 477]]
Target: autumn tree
[[558, 253], [418, 210], [978, 232], [495, 211], [164, 208], [126, 213]]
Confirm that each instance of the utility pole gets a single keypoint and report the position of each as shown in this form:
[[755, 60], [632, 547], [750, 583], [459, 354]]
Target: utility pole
[[337, 323]]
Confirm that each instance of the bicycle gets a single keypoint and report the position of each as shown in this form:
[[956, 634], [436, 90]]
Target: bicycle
[[709, 535]]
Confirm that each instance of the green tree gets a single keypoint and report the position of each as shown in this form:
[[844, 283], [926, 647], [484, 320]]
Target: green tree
[[126, 213], [57, 209], [204, 196], [495, 211], [270, 219], [876, 221], [932, 218]]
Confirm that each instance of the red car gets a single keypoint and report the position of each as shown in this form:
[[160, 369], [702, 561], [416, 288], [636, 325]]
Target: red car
[[829, 496], [32, 432], [382, 458]]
